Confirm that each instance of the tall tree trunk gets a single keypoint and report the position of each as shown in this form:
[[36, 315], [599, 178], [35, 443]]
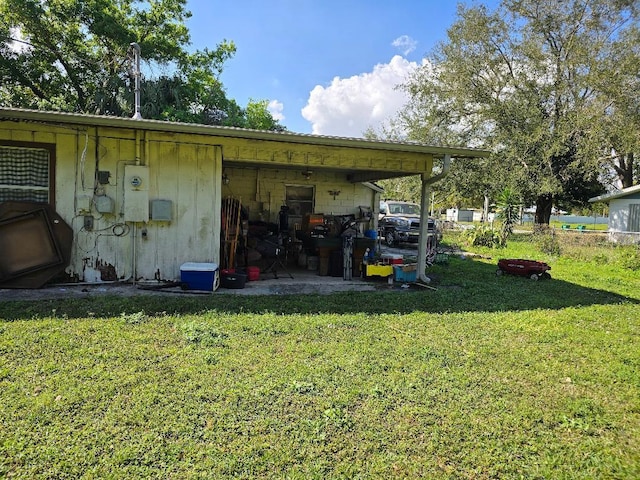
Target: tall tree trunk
[[627, 175], [544, 203], [623, 166]]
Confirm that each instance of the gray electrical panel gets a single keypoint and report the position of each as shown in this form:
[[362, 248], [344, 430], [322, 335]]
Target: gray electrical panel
[[104, 203], [161, 210]]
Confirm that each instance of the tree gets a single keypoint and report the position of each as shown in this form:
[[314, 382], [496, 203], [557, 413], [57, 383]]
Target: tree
[[616, 140], [75, 56], [259, 118], [407, 189], [523, 81], [178, 99]]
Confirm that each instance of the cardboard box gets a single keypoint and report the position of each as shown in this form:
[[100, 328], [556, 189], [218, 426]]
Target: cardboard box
[[200, 276]]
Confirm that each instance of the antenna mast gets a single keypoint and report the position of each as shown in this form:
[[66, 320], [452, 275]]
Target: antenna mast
[[136, 74]]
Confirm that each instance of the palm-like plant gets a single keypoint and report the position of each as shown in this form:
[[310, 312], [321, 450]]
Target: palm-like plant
[[508, 211]]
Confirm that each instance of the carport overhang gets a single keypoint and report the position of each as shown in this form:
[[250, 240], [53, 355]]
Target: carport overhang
[[361, 161]]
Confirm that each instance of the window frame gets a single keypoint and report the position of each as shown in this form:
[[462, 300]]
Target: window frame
[[51, 149], [290, 202]]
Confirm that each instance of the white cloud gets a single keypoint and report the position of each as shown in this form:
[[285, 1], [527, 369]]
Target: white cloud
[[275, 108], [349, 106], [405, 44]]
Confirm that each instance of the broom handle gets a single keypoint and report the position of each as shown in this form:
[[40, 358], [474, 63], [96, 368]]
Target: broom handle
[[234, 243]]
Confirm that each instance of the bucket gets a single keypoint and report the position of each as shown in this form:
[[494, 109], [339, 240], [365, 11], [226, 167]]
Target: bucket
[[312, 263], [253, 273], [232, 280]]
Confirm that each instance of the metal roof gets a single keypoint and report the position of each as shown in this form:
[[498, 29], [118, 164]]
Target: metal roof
[[617, 194], [234, 132]]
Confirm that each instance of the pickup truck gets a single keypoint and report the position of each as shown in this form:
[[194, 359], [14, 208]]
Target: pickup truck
[[399, 222]]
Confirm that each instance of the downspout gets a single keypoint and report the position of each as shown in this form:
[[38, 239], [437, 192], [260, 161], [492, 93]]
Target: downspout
[[424, 217]]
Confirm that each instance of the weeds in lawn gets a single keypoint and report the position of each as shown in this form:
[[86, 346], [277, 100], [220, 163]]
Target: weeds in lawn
[[203, 334], [134, 318]]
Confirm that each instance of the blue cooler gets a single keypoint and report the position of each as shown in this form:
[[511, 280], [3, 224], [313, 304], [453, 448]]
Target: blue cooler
[[405, 273], [200, 276]]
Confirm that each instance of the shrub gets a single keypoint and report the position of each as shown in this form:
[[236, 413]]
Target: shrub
[[547, 242], [629, 257], [482, 236]]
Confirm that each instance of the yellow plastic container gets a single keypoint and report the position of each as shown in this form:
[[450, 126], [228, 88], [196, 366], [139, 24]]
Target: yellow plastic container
[[379, 270]]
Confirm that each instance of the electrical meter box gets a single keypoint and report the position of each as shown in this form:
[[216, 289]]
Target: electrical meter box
[[136, 193]]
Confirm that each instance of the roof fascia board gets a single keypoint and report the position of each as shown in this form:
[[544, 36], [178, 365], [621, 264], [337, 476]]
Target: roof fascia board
[[212, 130], [613, 195]]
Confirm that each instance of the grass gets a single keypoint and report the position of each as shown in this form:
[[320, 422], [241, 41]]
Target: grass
[[485, 377]]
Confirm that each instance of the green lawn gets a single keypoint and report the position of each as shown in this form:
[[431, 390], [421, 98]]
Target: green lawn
[[484, 377]]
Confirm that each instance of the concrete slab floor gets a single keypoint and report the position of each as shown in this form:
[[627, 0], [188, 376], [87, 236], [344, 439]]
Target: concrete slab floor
[[303, 282]]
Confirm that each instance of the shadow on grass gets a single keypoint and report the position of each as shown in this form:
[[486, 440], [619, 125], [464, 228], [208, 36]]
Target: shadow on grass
[[462, 286]]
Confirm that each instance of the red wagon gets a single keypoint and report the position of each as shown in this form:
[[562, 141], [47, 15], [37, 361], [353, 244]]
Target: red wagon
[[526, 268]]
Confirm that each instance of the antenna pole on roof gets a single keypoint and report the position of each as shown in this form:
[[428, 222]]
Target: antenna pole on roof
[[136, 74]]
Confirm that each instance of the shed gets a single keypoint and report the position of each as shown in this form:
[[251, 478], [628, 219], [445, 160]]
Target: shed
[[460, 215], [144, 196], [624, 214]]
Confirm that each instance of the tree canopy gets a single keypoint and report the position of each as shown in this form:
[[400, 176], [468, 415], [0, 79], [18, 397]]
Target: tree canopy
[[551, 87], [75, 56]]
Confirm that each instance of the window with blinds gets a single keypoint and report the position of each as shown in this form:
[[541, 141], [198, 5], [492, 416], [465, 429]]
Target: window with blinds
[[634, 217], [25, 173]]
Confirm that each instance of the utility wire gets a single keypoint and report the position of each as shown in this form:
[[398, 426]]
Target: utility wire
[[7, 39]]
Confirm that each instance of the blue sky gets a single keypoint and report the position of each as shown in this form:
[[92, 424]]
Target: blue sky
[[328, 66]]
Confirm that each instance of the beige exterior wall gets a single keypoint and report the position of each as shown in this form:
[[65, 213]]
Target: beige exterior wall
[[187, 170], [182, 169]]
